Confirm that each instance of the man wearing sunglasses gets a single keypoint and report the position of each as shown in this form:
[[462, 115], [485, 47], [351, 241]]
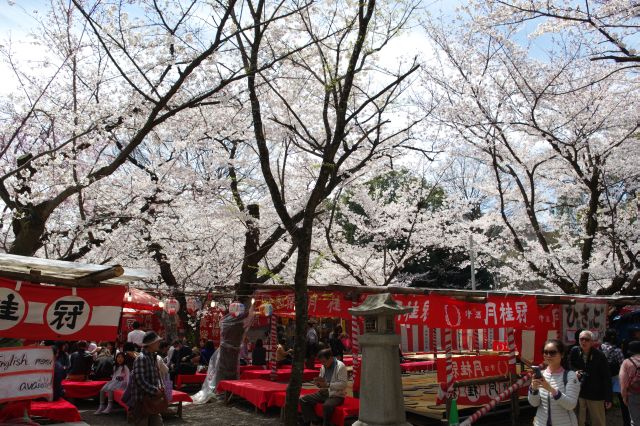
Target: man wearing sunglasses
[[592, 369]]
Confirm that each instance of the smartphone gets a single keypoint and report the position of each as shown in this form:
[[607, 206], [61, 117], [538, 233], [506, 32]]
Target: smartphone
[[537, 373]]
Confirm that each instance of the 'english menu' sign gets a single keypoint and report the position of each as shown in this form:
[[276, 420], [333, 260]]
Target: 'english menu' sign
[[26, 373]]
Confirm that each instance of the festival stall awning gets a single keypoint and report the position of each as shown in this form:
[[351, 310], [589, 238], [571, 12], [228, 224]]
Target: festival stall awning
[[71, 274], [140, 300]]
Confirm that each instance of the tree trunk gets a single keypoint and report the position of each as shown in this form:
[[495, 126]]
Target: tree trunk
[[28, 230], [249, 271], [299, 349]]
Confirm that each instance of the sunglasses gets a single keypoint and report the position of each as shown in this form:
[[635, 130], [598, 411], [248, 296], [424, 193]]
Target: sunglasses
[[550, 353], [585, 339]]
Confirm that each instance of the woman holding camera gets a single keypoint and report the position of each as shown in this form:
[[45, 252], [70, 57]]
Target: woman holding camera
[[555, 390]]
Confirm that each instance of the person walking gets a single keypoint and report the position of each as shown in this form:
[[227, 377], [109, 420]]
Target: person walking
[[615, 358], [145, 382], [136, 335], [335, 343], [312, 345], [555, 392], [630, 382], [593, 372]]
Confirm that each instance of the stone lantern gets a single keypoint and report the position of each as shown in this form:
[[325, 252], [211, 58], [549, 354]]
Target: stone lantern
[[381, 397]]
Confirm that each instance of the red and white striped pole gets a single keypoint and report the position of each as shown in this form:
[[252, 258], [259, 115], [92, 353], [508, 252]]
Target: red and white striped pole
[[476, 340], [502, 396], [448, 357], [512, 350], [274, 345], [355, 346]]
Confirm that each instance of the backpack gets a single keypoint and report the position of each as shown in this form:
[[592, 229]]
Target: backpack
[[614, 365], [634, 383]]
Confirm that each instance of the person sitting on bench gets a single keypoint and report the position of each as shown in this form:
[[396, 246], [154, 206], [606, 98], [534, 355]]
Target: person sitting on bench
[[332, 383]]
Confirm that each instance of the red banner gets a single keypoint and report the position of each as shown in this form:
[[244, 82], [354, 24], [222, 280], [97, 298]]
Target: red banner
[[446, 312], [477, 394], [474, 367], [321, 304], [41, 312], [210, 325]]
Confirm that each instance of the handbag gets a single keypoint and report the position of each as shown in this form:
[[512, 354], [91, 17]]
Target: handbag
[[155, 404]]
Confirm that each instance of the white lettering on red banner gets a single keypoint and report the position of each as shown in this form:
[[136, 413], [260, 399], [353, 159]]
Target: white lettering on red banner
[[447, 312], [41, 312], [26, 373], [477, 394], [474, 367]]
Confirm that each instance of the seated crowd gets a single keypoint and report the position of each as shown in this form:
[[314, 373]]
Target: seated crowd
[[116, 363]]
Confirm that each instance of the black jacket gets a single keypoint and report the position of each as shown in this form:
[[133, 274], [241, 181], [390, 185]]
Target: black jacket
[[596, 386]]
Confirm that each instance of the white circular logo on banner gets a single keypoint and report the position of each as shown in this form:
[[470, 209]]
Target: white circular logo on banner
[[12, 308], [68, 315]]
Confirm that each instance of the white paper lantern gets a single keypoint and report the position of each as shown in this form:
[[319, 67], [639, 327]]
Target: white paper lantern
[[171, 306]]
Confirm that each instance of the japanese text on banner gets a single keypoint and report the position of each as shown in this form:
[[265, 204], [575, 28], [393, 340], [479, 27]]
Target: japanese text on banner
[[40, 312], [474, 367], [446, 312]]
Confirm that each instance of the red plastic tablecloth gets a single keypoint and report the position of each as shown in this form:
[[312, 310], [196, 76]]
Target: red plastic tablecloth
[[244, 368], [183, 379], [82, 390], [283, 375], [60, 410], [418, 366], [176, 396], [14, 410], [258, 392], [277, 399], [350, 408]]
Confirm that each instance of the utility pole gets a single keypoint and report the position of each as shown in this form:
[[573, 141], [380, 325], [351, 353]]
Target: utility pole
[[473, 266]]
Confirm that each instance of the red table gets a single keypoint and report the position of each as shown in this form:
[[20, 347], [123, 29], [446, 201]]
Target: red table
[[177, 398], [82, 390], [244, 368], [283, 375], [277, 399], [60, 410], [184, 379], [257, 392], [417, 366]]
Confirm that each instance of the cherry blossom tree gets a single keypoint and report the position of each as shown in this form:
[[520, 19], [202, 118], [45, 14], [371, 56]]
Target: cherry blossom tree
[[607, 29], [554, 135], [347, 106]]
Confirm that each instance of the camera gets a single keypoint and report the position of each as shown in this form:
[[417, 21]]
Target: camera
[[582, 376], [537, 374]]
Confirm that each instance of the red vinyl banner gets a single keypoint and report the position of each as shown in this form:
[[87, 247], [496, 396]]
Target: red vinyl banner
[[446, 312], [477, 394], [42, 312], [474, 367], [321, 304]]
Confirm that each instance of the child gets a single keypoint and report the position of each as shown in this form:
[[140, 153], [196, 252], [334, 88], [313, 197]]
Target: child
[[118, 381]]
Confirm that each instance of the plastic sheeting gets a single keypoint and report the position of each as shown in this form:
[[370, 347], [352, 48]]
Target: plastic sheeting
[[224, 363]]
